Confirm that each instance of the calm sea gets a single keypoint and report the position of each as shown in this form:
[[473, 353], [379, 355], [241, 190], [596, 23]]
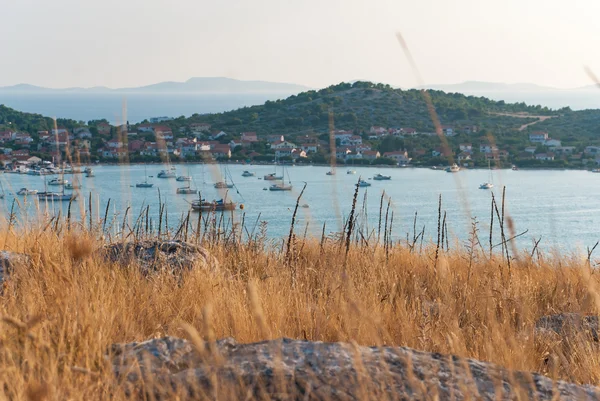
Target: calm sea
[[86, 107], [561, 207]]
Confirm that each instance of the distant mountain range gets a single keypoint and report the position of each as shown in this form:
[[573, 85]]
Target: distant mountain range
[[203, 85]]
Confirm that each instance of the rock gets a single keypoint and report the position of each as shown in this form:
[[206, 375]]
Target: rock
[[8, 261], [154, 256], [568, 325], [288, 369]]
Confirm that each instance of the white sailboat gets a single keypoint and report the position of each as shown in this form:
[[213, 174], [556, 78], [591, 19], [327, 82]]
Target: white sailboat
[[145, 183], [489, 184], [282, 186]]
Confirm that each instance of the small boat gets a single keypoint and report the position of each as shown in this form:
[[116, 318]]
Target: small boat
[[380, 177], [330, 172], [273, 177], [223, 185], [453, 169], [58, 181], [87, 170], [514, 168], [280, 187], [168, 173], [305, 206], [57, 196], [186, 191], [596, 170], [247, 173], [202, 205], [144, 184], [351, 172], [489, 184], [363, 183], [89, 173], [184, 178], [25, 191], [69, 185]]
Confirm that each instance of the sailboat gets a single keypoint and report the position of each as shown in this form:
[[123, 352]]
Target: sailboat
[[224, 184], [489, 184], [145, 183], [273, 176], [187, 190], [282, 185]]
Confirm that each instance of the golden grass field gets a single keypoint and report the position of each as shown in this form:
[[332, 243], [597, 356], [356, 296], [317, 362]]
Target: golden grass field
[[62, 309]]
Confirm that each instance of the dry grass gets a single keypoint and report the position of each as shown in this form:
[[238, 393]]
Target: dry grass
[[62, 310]]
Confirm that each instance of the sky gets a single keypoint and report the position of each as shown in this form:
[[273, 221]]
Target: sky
[[126, 43]]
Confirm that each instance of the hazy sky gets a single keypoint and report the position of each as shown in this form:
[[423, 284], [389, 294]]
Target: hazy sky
[[116, 43]]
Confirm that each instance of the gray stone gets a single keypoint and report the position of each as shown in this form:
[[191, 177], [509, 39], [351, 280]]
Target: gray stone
[[154, 256], [568, 325], [8, 261], [285, 369]]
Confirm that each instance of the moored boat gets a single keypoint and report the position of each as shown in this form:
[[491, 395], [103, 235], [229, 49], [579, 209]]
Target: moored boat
[[57, 181], [167, 173], [182, 178], [223, 185], [25, 191], [380, 177], [453, 169], [247, 173], [56, 196], [273, 177], [363, 183], [280, 187], [351, 172], [201, 205]]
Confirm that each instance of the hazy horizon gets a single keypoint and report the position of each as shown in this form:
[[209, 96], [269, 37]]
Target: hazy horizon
[[68, 43]]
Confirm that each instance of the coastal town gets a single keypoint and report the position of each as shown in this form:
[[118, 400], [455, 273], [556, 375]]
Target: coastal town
[[401, 146]]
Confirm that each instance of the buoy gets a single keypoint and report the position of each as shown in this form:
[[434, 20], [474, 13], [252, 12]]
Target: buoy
[[264, 189], [242, 206]]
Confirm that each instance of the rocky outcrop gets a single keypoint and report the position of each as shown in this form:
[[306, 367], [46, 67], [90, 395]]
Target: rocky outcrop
[[8, 261], [568, 325], [286, 369], [154, 256]]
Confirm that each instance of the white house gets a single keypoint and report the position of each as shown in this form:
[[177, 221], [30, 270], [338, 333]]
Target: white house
[[545, 156], [538, 137], [283, 152], [310, 147], [552, 142], [530, 149], [447, 130], [564, 149], [378, 130], [343, 135], [371, 155], [145, 127], [198, 128], [464, 156], [282, 145], [487, 148], [249, 136], [352, 141], [465, 147], [401, 157], [217, 134], [592, 150]]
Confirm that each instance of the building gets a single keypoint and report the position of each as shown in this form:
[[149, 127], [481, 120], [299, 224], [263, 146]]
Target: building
[[275, 138], [565, 150], [448, 130], [298, 154], [104, 128], [464, 157], [487, 148], [370, 155], [538, 137], [135, 145], [592, 150], [342, 135], [221, 151], [408, 131], [352, 141], [465, 147], [545, 156], [155, 120], [400, 156], [249, 136], [199, 128], [163, 132], [114, 143], [282, 144], [216, 134], [7, 136], [552, 142], [310, 147], [145, 128]]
